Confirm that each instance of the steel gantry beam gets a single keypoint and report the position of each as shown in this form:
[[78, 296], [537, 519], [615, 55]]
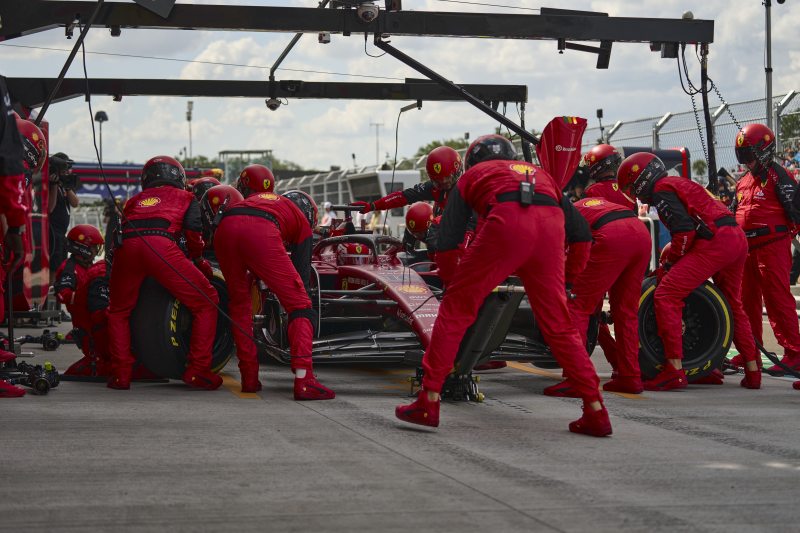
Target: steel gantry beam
[[30, 16], [32, 92]]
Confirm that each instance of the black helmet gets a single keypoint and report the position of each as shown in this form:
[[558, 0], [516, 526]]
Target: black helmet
[[306, 205], [163, 170], [488, 147]]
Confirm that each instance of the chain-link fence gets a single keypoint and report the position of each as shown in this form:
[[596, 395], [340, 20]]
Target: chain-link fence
[[684, 129]]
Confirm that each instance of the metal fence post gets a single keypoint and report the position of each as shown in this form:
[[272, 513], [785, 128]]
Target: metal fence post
[[613, 130], [657, 128], [779, 107]]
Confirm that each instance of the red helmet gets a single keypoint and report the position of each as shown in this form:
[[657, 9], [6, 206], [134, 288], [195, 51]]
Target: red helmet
[[306, 205], [488, 147], [418, 219], [638, 172], [755, 142], [602, 161], [353, 253], [216, 197], [85, 242], [163, 170], [33, 143], [199, 186], [444, 167], [255, 178]]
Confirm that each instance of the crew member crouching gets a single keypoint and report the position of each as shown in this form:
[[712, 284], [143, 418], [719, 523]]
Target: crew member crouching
[[151, 225], [249, 239]]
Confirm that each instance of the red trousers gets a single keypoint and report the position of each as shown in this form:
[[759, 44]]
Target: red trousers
[[617, 264], [92, 340], [245, 243], [529, 242], [721, 258], [766, 279], [135, 261]]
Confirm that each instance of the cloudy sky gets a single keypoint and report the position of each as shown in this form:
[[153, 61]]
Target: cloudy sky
[[320, 133]]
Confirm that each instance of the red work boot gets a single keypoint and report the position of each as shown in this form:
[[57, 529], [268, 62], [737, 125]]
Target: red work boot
[[7, 390], [593, 423], [309, 389], [668, 379], [737, 361], [791, 362], [562, 390], [250, 381], [120, 379], [423, 411], [751, 380], [201, 379], [716, 377], [624, 384], [491, 365]]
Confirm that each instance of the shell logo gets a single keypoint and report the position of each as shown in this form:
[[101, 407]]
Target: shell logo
[[521, 168], [268, 196], [149, 202], [437, 168], [413, 289], [767, 138], [592, 203], [635, 168], [411, 224], [215, 200], [81, 237]]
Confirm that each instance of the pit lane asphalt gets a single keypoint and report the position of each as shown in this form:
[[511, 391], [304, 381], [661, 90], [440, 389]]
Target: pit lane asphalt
[[163, 457]]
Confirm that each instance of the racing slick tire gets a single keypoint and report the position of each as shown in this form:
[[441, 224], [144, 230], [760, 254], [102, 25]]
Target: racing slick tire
[[707, 331], [161, 327]]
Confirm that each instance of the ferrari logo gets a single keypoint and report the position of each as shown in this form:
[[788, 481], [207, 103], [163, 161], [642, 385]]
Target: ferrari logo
[[268, 196], [411, 224], [266, 184], [437, 168], [359, 248], [149, 202], [740, 139], [615, 186]]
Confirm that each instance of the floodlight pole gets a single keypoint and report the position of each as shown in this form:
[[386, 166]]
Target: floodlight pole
[[768, 60]]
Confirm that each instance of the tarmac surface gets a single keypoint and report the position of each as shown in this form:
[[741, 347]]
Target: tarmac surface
[[164, 457]]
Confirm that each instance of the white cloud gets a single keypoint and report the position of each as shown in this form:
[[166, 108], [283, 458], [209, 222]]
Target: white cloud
[[321, 133]]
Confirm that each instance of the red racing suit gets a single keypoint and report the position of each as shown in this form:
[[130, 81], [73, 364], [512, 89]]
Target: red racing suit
[[609, 189], [512, 238], [153, 221], [250, 238], [421, 192], [764, 209], [84, 291], [617, 264], [706, 242]]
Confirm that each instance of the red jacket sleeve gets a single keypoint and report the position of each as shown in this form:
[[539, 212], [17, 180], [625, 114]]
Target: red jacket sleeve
[[680, 245], [577, 257], [390, 201], [448, 263], [11, 205]]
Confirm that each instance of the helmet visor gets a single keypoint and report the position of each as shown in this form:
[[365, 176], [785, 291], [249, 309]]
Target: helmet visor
[[745, 154]]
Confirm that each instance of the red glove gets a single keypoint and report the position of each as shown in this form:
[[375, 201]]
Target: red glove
[[366, 207], [661, 271], [205, 267]]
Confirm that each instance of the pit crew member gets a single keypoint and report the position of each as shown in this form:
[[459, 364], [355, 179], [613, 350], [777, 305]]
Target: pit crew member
[[706, 242], [602, 161], [250, 240], [764, 209], [519, 203], [152, 222], [82, 286]]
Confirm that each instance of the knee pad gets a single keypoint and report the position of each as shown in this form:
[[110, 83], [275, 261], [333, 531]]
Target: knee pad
[[309, 313]]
